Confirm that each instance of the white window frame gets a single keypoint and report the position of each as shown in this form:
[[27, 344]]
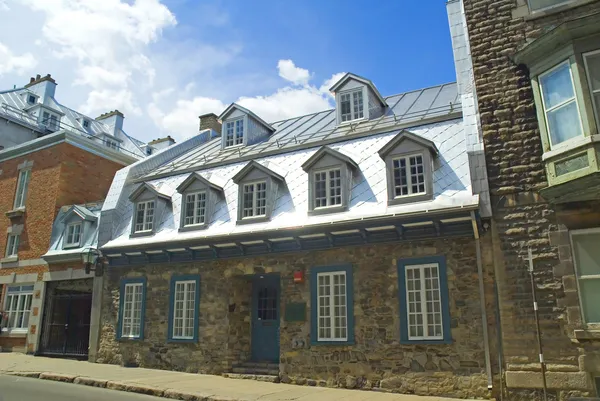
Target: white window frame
[[24, 297], [22, 186], [68, 233], [595, 106], [409, 182], [12, 245], [332, 306], [235, 141], [130, 312], [255, 206], [29, 97], [50, 123], [195, 215], [185, 326], [354, 115], [147, 223], [112, 143], [423, 302], [578, 277], [328, 188], [545, 111]]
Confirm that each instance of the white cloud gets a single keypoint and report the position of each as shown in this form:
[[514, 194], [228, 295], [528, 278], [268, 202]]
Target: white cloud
[[289, 72], [290, 101], [330, 82], [10, 62]]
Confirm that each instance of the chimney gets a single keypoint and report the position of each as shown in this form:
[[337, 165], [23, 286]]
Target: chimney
[[162, 143], [113, 119], [44, 87], [210, 121]]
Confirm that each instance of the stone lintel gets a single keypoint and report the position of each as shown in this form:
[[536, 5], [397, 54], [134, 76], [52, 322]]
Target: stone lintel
[[555, 380]]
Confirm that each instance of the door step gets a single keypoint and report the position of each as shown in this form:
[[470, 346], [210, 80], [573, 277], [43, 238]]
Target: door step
[[261, 371], [258, 377]]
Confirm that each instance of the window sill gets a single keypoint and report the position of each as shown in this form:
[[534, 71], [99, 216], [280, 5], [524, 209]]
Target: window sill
[[570, 145], [355, 121], [14, 333], [193, 228], [141, 234], [129, 339], [72, 246], [251, 220], [426, 342], [18, 212], [589, 334], [327, 210], [334, 343], [9, 259], [409, 199], [557, 9], [182, 340]]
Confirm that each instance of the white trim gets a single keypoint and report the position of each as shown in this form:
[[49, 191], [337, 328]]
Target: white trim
[[73, 243], [556, 107], [328, 187], [353, 117], [332, 306], [19, 309], [195, 214], [132, 310], [254, 208], [146, 221], [593, 91], [12, 249], [559, 4], [422, 291], [184, 309], [22, 187], [409, 182], [235, 141], [574, 233]]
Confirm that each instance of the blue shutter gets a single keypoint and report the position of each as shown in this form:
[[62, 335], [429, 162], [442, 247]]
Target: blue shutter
[[175, 279], [349, 303], [122, 299], [441, 261]]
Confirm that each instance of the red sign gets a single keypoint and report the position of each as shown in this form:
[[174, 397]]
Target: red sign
[[299, 277]]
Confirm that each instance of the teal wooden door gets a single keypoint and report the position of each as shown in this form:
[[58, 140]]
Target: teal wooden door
[[265, 318]]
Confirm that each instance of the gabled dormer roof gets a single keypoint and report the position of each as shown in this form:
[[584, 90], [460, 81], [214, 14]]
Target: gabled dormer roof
[[358, 78], [405, 135], [210, 183], [235, 106], [80, 211], [326, 150], [148, 187], [256, 165]]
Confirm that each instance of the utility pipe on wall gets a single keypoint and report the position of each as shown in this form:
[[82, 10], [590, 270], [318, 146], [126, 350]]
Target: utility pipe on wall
[[488, 362]]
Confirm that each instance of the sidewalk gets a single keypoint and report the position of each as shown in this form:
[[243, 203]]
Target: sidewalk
[[182, 386]]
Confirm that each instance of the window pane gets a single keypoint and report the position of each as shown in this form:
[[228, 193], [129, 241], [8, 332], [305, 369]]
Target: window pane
[[593, 69], [358, 104], [229, 138], [261, 199], [239, 132], [563, 123], [590, 299], [320, 189], [248, 200], [587, 254], [345, 107], [557, 86], [400, 179]]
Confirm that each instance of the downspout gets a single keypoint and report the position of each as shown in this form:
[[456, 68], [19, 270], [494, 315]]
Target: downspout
[[488, 362]]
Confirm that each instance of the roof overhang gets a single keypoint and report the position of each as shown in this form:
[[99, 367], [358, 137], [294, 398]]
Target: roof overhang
[[234, 106], [255, 165], [197, 177], [326, 150], [83, 213], [147, 187], [358, 78], [406, 135]]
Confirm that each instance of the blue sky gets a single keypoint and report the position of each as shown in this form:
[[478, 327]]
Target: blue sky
[[165, 62]]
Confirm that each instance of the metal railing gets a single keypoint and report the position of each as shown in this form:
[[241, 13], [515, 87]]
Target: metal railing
[[50, 125]]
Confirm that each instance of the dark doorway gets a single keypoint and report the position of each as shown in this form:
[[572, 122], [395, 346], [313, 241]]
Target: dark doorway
[[265, 318], [66, 324]]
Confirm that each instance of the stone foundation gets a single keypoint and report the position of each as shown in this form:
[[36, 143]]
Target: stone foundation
[[376, 360]]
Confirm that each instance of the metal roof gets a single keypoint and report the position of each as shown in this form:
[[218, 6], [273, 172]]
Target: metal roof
[[409, 109]]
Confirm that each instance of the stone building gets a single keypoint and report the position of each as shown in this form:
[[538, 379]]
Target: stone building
[[536, 66], [52, 156], [340, 248]]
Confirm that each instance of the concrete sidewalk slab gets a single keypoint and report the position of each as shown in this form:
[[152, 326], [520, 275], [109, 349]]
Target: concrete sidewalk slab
[[182, 386]]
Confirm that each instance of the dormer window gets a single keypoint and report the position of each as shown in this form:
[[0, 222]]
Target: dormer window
[[351, 105], [234, 131], [144, 217], [85, 123], [31, 99], [258, 191], [329, 181], [255, 200], [50, 121], [199, 196], [409, 168], [149, 203], [73, 237]]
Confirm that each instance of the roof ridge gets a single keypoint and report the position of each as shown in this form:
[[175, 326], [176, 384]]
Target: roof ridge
[[11, 90]]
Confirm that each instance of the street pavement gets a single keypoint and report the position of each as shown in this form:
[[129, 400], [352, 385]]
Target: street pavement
[[13, 388], [177, 385]]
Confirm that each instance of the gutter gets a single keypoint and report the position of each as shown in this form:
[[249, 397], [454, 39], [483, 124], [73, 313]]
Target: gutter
[[488, 363]]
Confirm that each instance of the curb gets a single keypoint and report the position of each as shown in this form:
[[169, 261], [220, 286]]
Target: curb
[[120, 386]]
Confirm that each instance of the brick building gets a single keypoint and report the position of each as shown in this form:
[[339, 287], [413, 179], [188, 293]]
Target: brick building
[[536, 66]]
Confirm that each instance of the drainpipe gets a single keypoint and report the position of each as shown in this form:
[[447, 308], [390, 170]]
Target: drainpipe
[[488, 363]]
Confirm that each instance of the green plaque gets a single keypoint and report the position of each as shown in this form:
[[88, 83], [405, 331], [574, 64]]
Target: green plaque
[[295, 312]]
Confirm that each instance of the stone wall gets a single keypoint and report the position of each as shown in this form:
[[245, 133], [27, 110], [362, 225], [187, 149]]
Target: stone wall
[[522, 219], [377, 360]]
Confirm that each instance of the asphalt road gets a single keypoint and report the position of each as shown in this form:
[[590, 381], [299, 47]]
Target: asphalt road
[[14, 388]]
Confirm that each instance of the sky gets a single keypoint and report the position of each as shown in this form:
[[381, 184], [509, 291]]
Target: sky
[[165, 62]]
